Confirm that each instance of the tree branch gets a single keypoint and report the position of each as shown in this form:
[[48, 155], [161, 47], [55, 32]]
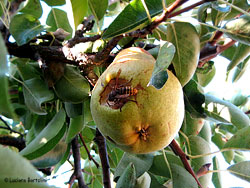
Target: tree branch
[[177, 150], [64, 54], [209, 52], [101, 143], [17, 142], [85, 26], [48, 53], [77, 163], [77, 40]]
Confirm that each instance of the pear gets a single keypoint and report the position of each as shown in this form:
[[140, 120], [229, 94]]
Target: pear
[[140, 119]]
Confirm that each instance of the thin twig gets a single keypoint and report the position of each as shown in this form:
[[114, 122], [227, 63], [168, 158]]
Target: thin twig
[[189, 8], [177, 150], [71, 180], [101, 143], [87, 150], [158, 20], [8, 127], [77, 163]]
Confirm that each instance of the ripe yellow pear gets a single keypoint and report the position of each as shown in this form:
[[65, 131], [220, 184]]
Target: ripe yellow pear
[[147, 119]]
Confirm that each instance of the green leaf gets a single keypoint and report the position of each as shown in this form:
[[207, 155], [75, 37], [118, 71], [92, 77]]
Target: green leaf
[[32, 7], [86, 112], [239, 156], [28, 119], [194, 99], [181, 177], [26, 69], [30, 135], [237, 117], [73, 110], [242, 4], [55, 2], [205, 132], [51, 158], [215, 117], [143, 181], [93, 171], [242, 51], [24, 27], [98, 8], [190, 125], [205, 78], [58, 19], [241, 69], [160, 76], [132, 16], [202, 12], [115, 155], [216, 175], [229, 52], [80, 9], [128, 177], [241, 170], [5, 105], [240, 140], [186, 41], [48, 137], [160, 33], [220, 143], [35, 93], [216, 6], [63, 159], [40, 123], [239, 29], [218, 13], [13, 166], [230, 128], [154, 51], [239, 99], [75, 126], [159, 166], [88, 134], [142, 164], [72, 87], [83, 152], [154, 182], [199, 146]]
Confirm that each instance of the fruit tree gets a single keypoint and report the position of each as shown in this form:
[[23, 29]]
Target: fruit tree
[[115, 89]]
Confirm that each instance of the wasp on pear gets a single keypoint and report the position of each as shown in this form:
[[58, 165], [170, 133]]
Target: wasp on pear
[[120, 93]]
